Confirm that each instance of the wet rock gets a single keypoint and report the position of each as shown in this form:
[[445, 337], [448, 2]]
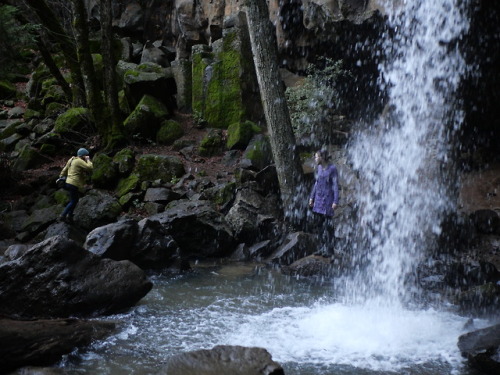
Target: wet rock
[[486, 221], [249, 212], [296, 245], [482, 349], [198, 228], [58, 278], [43, 342], [147, 243], [223, 360], [481, 300], [312, 265]]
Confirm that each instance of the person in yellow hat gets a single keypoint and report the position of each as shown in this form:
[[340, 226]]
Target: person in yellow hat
[[76, 170]]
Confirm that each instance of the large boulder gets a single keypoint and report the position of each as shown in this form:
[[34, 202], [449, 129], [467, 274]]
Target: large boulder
[[146, 118], [223, 359], [44, 342], [482, 348], [151, 167], [198, 228], [224, 88], [249, 214], [57, 278], [145, 243], [149, 79], [95, 209]]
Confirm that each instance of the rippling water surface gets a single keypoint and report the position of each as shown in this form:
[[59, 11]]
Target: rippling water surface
[[302, 324]]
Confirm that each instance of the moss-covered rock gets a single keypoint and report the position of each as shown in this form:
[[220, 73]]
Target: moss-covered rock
[[224, 89], [10, 129], [212, 143], [169, 132], [127, 185], [7, 90], [61, 197], [29, 158], [72, 121], [258, 154], [54, 109], [220, 194], [239, 134], [125, 161], [105, 172], [145, 119], [31, 114], [48, 149], [159, 167]]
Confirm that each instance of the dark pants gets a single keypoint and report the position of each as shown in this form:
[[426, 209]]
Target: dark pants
[[74, 196], [322, 226]]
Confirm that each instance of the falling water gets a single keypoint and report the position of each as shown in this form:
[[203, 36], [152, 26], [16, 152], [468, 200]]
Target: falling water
[[402, 157]]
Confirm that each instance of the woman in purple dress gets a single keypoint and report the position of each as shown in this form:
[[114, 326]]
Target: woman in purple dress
[[324, 196]]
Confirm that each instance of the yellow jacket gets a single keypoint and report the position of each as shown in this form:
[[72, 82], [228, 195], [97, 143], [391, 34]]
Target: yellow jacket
[[76, 170]]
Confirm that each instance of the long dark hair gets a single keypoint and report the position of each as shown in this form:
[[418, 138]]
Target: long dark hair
[[324, 155]]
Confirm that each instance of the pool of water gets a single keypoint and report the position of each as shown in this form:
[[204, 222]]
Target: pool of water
[[304, 325]]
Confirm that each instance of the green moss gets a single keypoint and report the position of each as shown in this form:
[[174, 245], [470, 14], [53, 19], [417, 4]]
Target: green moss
[[217, 88], [145, 119], [159, 167], [212, 143], [127, 184], [54, 108], [72, 120], [240, 134], [61, 197], [170, 131], [105, 172], [125, 160], [48, 149], [7, 90]]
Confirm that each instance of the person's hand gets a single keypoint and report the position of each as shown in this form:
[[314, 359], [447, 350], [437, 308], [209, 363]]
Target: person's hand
[[334, 206], [311, 202], [86, 158]]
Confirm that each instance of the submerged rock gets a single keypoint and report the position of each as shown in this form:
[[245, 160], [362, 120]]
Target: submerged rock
[[58, 278], [223, 360]]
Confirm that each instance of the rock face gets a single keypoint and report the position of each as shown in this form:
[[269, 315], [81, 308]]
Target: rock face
[[58, 278], [223, 360], [145, 243], [43, 342], [482, 349], [198, 229]]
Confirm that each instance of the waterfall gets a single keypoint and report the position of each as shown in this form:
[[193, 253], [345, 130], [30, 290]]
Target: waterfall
[[402, 157]]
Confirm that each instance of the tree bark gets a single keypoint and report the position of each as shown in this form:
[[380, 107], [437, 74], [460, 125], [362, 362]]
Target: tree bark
[[53, 69], [272, 92], [92, 91], [57, 33], [114, 135]]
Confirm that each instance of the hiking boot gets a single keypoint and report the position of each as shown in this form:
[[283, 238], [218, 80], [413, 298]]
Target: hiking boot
[[63, 219], [69, 220]]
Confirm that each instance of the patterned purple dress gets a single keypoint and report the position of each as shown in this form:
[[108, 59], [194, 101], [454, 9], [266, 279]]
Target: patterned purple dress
[[325, 191]]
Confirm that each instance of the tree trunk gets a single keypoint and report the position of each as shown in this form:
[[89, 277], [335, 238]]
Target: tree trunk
[[114, 134], [57, 33], [53, 69], [272, 92], [92, 91]]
